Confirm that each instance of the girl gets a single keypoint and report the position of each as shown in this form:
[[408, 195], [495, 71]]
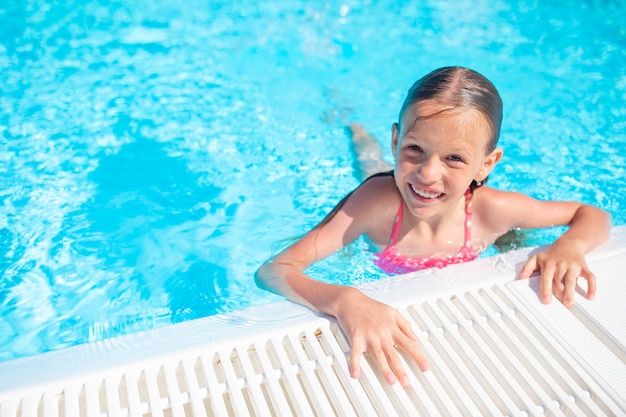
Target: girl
[[432, 210]]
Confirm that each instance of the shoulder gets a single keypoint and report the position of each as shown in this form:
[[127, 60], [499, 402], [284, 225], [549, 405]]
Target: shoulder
[[491, 198], [372, 207], [383, 182], [375, 193], [499, 210], [368, 210], [504, 210]]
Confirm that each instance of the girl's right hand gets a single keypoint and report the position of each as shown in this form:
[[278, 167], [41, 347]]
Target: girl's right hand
[[379, 330]]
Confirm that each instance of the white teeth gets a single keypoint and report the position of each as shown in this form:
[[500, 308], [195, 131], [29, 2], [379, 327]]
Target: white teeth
[[425, 194]]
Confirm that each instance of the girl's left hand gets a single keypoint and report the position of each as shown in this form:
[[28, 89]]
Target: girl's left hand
[[560, 265]]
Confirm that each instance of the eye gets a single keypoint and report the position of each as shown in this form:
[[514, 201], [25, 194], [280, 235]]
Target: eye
[[455, 158], [414, 148]]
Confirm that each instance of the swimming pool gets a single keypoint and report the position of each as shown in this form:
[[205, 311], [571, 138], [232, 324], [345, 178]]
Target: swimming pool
[[154, 154]]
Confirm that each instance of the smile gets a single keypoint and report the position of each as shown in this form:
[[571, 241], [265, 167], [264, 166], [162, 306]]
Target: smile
[[424, 194]]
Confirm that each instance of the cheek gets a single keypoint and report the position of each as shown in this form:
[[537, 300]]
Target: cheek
[[462, 177], [403, 166]]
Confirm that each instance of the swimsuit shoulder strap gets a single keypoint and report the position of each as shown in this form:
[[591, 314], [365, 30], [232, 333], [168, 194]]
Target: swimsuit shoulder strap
[[468, 217], [396, 226], [468, 221]]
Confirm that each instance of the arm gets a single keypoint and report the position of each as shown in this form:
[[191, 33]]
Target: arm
[[563, 262], [369, 325]]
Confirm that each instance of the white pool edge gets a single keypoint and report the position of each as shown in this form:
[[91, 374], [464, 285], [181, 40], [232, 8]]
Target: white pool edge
[[39, 373]]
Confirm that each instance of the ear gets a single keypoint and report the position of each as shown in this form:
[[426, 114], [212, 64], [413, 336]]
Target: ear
[[489, 163], [394, 138]]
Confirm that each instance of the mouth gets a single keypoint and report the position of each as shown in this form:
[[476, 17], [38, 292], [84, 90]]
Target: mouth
[[428, 195]]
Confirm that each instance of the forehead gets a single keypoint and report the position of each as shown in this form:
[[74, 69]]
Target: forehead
[[446, 120]]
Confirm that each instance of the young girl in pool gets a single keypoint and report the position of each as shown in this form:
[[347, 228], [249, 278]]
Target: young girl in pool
[[430, 211]]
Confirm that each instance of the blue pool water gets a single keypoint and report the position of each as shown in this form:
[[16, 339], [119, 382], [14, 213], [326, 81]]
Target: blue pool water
[[154, 153]]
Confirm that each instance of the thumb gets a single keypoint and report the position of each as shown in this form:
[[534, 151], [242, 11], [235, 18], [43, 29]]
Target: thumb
[[529, 267]]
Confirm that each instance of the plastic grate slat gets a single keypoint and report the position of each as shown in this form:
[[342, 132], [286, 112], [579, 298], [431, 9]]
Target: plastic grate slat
[[215, 389], [252, 382]]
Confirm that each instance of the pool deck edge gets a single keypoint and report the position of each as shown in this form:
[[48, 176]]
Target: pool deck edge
[[63, 367]]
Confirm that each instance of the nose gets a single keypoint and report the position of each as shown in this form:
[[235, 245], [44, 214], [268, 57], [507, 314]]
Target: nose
[[430, 169]]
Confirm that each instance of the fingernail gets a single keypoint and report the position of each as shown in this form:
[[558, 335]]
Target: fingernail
[[405, 381], [546, 299], [424, 366], [391, 379]]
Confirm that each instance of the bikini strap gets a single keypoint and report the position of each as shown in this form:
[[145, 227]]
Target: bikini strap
[[396, 226], [468, 221], [468, 218]]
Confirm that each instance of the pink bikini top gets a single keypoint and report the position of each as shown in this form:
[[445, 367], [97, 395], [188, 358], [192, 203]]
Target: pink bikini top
[[392, 262]]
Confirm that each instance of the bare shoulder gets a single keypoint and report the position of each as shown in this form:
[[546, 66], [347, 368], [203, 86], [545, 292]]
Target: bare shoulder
[[376, 192], [374, 205], [491, 198], [495, 212], [504, 210]]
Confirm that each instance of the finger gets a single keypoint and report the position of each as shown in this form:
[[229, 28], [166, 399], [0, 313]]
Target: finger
[[557, 288], [393, 358], [529, 267], [381, 361], [355, 361], [411, 348], [558, 283], [405, 327], [545, 285], [591, 283], [569, 287]]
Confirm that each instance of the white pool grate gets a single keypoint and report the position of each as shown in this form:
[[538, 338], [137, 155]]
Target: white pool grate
[[487, 354], [493, 350]]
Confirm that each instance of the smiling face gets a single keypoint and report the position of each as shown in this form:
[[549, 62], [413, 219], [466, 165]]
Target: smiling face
[[439, 150]]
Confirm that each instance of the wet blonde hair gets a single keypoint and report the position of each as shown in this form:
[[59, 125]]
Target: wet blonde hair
[[459, 88]]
